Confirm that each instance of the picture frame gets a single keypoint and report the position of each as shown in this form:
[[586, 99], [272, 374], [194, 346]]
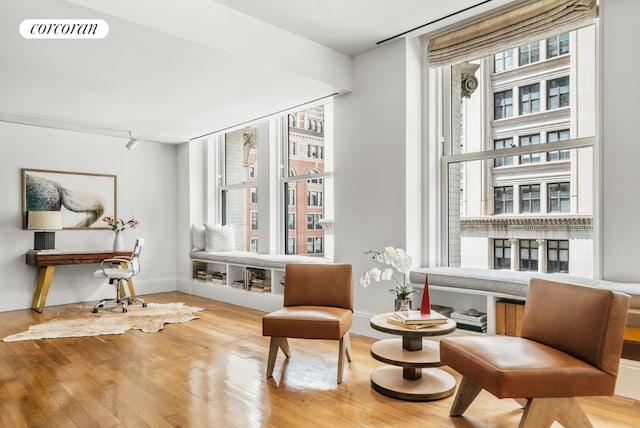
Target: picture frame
[[82, 198]]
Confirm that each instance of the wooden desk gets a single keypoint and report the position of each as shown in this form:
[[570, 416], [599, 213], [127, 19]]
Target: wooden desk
[[405, 378], [48, 260]]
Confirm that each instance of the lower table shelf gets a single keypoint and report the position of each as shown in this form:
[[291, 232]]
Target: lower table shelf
[[433, 384]]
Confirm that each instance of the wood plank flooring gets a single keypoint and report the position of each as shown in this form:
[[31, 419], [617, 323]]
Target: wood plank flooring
[[211, 373]]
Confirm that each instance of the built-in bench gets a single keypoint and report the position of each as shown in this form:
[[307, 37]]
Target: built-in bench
[[510, 283]]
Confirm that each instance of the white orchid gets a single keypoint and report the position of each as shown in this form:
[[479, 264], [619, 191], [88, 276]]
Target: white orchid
[[396, 258]]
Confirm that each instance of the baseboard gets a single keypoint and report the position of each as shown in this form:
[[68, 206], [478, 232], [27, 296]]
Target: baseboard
[[265, 302], [628, 379]]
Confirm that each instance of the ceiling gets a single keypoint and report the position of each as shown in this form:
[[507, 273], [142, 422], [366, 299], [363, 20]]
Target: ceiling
[[172, 71]]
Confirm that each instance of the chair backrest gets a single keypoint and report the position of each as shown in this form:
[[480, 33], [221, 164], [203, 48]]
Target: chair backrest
[[318, 285], [585, 322], [135, 256]]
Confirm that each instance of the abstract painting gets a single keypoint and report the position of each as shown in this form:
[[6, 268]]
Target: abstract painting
[[82, 198]]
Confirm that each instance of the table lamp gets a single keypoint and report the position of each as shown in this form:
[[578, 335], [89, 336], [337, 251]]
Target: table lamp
[[44, 222]]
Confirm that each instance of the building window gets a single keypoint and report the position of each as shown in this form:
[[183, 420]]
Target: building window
[[530, 53], [528, 255], [291, 196], [530, 99], [254, 195], [313, 221], [530, 198], [529, 140], [503, 104], [485, 201], [291, 246], [503, 61], [504, 143], [254, 245], [503, 200], [555, 136], [291, 221], [314, 245], [314, 199], [501, 254], [557, 93], [293, 148], [558, 256], [559, 197], [308, 175], [312, 151], [254, 220], [558, 45]]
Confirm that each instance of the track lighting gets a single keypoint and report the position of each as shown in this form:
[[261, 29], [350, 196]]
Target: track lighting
[[132, 142]]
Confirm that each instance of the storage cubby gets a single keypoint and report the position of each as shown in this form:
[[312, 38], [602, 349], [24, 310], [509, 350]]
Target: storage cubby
[[248, 278]]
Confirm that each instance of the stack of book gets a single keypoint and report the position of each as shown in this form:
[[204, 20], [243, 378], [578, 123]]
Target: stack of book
[[218, 278], [471, 320], [257, 280], [260, 285], [238, 283], [416, 320]]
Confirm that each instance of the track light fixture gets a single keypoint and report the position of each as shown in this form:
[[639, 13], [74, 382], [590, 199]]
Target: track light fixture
[[132, 142]]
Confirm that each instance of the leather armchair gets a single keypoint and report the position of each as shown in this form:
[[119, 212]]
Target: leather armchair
[[570, 346], [318, 304]]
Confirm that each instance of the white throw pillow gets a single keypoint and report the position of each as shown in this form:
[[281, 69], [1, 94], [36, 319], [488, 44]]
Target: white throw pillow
[[219, 238], [197, 237]]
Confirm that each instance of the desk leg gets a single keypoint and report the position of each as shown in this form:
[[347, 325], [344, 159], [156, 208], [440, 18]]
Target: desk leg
[[132, 292], [42, 287]]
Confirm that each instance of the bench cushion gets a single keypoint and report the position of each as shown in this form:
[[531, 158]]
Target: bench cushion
[[511, 282], [272, 261]]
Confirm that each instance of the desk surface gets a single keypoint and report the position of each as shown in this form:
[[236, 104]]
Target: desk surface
[[56, 258]]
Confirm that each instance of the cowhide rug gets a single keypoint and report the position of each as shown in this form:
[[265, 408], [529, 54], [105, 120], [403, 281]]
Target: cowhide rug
[[81, 321]]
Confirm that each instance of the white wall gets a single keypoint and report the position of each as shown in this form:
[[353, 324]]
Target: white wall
[[373, 137], [620, 145], [146, 190]]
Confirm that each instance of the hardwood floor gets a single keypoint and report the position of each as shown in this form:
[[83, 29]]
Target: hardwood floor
[[211, 373]]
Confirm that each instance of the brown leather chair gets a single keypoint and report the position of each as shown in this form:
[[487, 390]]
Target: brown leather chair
[[318, 304], [570, 346]]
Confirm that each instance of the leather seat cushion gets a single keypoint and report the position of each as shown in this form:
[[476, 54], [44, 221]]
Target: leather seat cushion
[[514, 367], [308, 322]]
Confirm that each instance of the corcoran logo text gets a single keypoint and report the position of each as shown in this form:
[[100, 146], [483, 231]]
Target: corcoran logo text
[[64, 29]]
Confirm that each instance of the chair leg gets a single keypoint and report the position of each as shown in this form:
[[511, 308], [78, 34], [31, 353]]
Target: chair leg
[[467, 392], [542, 412], [275, 344], [347, 346]]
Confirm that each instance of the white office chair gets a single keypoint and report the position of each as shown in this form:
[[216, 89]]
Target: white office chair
[[118, 269]]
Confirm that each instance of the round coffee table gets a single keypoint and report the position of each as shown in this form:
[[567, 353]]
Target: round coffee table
[[405, 378]]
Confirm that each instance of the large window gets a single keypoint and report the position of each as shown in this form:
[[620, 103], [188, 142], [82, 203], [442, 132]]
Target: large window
[[265, 203], [308, 176], [508, 185]]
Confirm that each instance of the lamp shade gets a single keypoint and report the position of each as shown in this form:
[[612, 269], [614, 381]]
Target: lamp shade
[[44, 220]]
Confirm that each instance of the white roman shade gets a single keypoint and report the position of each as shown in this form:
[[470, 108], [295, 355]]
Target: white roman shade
[[531, 21]]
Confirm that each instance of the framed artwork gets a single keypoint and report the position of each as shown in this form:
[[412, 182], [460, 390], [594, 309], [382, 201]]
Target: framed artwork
[[82, 198]]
